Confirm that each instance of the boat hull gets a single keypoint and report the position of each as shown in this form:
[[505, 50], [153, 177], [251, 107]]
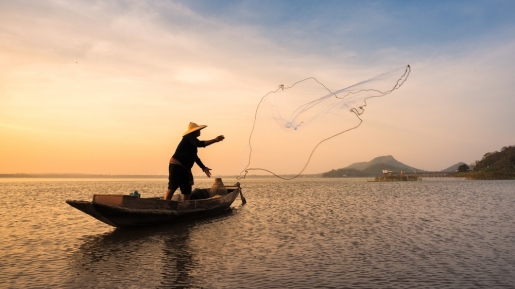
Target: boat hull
[[125, 211]]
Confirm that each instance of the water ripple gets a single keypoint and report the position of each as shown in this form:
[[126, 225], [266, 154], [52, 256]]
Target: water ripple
[[311, 233]]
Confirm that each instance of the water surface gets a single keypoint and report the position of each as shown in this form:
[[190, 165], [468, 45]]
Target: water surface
[[306, 233]]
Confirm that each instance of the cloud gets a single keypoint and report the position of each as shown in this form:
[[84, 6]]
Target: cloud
[[138, 70]]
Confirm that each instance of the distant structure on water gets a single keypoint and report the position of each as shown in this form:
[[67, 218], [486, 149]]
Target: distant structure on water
[[390, 176]]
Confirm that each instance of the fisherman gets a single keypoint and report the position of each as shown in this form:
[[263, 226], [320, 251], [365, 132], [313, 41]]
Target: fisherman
[[179, 169]]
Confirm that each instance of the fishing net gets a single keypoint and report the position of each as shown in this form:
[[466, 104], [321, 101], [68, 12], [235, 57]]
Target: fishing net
[[292, 121]]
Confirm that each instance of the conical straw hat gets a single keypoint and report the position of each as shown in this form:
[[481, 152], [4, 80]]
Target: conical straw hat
[[193, 127]]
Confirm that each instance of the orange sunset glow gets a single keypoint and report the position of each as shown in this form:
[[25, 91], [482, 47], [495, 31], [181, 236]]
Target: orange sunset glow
[[102, 89]]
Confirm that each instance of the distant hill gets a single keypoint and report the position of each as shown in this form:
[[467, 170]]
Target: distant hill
[[358, 166], [453, 168], [386, 160], [503, 160], [372, 168], [495, 166], [339, 173]]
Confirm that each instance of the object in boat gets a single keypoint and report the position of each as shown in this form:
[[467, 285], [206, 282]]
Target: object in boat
[[218, 188], [127, 211]]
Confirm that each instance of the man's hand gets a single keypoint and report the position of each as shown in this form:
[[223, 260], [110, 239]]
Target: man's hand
[[207, 172], [216, 139]]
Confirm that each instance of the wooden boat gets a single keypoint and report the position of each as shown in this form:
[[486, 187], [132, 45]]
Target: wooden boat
[[127, 211]]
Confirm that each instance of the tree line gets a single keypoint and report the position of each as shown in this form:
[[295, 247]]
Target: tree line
[[494, 165]]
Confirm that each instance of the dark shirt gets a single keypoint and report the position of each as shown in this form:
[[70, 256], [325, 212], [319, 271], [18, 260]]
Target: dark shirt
[[186, 151]]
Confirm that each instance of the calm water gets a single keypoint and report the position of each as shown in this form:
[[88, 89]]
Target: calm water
[[309, 233]]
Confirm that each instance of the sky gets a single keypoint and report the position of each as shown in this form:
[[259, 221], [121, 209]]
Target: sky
[[109, 87]]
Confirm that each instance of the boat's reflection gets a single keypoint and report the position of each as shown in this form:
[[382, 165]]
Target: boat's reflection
[[153, 257]]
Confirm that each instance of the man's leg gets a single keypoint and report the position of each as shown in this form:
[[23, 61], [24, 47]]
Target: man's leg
[[169, 194], [172, 183], [185, 190], [170, 191]]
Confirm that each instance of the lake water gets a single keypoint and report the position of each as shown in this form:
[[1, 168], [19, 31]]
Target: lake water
[[306, 233]]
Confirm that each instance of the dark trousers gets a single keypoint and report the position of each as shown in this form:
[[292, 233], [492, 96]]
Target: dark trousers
[[178, 177]]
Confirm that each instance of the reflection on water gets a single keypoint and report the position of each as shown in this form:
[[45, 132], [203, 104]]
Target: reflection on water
[[127, 256], [178, 261], [441, 233]]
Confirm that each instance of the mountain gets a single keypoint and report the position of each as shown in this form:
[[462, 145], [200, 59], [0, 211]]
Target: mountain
[[372, 168], [358, 166], [453, 168], [385, 160], [343, 173]]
